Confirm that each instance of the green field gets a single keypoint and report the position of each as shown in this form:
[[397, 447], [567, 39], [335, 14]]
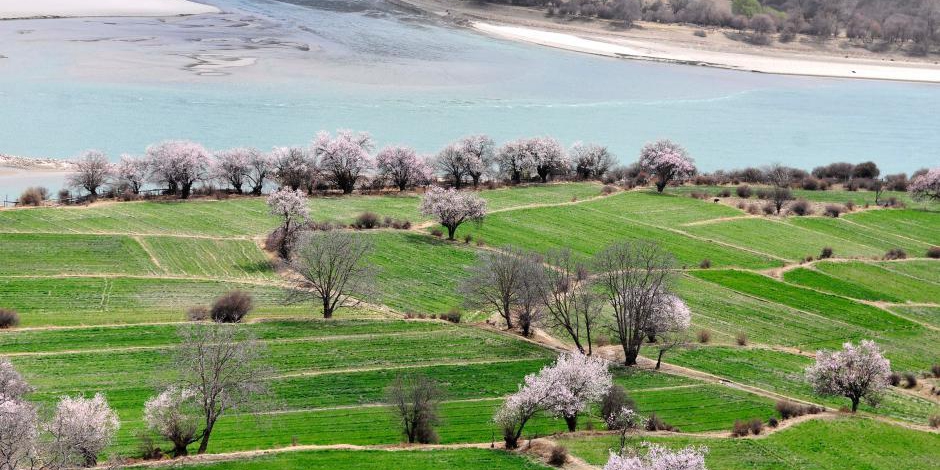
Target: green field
[[102, 290], [829, 444]]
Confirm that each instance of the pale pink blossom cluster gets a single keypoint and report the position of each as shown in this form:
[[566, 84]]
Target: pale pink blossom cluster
[[926, 187], [81, 428], [403, 167], [12, 385], [855, 372], [240, 166], [563, 388], [290, 205], [452, 208], [548, 157], [179, 164], [660, 458], [590, 160], [477, 152], [667, 160], [579, 380], [671, 315], [174, 415], [132, 172], [19, 433], [344, 158]]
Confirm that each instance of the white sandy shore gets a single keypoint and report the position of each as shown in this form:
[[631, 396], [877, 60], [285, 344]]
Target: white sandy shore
[[777, 64], [16, 9]]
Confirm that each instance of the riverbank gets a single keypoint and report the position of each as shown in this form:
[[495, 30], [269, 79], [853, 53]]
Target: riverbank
[[679, 44], [23, 9]]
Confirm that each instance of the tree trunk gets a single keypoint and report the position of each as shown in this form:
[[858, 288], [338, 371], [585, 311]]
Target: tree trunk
[[180, 450], [630, 355], [476, 180], [450, 232], [205, 439], [238, 189], [187, 188], [327, 308], [660, 185], [572, 422], [512, 442], [854, 405], [659, 360]]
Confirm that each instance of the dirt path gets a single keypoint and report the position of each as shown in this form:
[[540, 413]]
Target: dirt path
[[130, 234]]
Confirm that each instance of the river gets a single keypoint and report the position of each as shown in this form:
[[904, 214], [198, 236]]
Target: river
[[265, 73]]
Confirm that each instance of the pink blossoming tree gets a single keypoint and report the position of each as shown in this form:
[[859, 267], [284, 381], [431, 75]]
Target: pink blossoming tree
[[452, 208], [132, 172], [514, 160], [401, 166], [178, 164], [590, 161], [232, 166], [175, 416], [81, 428], [343, 158], [669, 325], [586, 380], [478, 154], [667, 160], [926, 187], [291, 206], [855, 372], [548, 157]]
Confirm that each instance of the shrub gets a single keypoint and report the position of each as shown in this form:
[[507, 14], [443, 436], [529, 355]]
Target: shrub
[[933, 252], [615, 400], [935, 370], [700, 33], [452, 316], [788, 409], [896, 253], [910, 380], [813, 409], [366, 220], [33, 196], [833, 210], [608, 189], [934, 421], [810, 184], [849, 206], [704, 336], [801, 207], [231, 307], [741, 339], [762, 193], [741, 205], [772, 422], [558, 455], [894, 379], [724, 193], [826, 253], [769, 208], [8, 318], [64, 195], [705, 264], [740, 428], [198, 313], [743, 191], [437, 233], [756, 426], [655, 423], [698, 195], [467, 238], [753, 209]]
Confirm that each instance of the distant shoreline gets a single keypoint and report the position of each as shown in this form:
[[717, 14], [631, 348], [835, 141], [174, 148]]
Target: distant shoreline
[[674, 44], [49, 9], [34, 164]]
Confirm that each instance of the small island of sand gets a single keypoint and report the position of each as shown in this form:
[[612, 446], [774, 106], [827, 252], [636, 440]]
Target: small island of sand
[[22, 9]]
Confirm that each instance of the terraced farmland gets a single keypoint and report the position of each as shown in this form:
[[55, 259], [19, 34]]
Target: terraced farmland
[[101, 292]]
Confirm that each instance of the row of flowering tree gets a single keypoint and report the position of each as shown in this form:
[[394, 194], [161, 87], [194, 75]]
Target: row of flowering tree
[[344, 160]]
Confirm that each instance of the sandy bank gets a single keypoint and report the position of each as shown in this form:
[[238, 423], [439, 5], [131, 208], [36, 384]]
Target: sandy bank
[[8, 162], [634, 49], [18, 9], [678, 43]]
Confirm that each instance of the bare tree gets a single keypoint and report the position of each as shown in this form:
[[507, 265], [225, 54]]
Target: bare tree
[[452, 163], [221, 364], [493, 281], [779, 196], [334, 268], [635, 277], [92, 171], [568, 299], [531, 285], [414, 400]]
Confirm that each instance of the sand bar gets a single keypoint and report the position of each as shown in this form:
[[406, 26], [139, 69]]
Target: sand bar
[[19, 9]]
